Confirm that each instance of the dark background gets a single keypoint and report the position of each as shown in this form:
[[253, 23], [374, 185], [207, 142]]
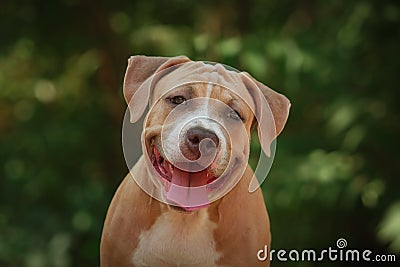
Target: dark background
[[61, 109]]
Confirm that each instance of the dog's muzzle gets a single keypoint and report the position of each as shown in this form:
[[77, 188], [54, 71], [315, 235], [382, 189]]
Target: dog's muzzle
[[184, 181]]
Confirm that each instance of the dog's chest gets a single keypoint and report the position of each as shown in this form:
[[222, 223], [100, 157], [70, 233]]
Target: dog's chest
[[178, 240]]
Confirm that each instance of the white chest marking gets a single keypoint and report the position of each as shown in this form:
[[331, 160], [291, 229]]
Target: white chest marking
[[178, 240]]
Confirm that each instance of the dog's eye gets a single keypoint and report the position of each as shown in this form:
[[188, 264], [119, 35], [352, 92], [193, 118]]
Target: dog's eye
[[235, 115], [177, 99]]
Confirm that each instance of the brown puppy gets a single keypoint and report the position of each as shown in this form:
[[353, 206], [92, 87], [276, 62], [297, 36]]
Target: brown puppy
[[186, 202]]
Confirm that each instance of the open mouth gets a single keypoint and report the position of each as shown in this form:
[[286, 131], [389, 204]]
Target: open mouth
[[184, 189], [171, 174]]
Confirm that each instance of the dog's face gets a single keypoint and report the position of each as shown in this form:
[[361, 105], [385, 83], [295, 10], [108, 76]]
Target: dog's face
[[196, 135], [192, 135]]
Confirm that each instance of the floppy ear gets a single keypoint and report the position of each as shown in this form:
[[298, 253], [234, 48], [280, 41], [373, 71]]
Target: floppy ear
[[138, 77], [272, 111]]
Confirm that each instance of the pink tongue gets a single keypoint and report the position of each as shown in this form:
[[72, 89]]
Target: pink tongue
[[187, 189]]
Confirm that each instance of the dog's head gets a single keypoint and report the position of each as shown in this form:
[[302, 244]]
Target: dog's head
[[196, 135]]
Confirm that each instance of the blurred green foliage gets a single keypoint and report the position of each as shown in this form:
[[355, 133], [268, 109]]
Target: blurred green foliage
[[61, 109]]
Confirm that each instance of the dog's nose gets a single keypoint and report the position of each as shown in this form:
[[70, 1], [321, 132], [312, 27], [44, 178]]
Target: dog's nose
[[196, 134]]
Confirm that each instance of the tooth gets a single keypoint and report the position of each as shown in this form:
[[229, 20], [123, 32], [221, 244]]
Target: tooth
[[167, 185]]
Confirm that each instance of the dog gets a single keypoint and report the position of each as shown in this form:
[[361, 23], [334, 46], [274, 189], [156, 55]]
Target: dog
[[186, 202]]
